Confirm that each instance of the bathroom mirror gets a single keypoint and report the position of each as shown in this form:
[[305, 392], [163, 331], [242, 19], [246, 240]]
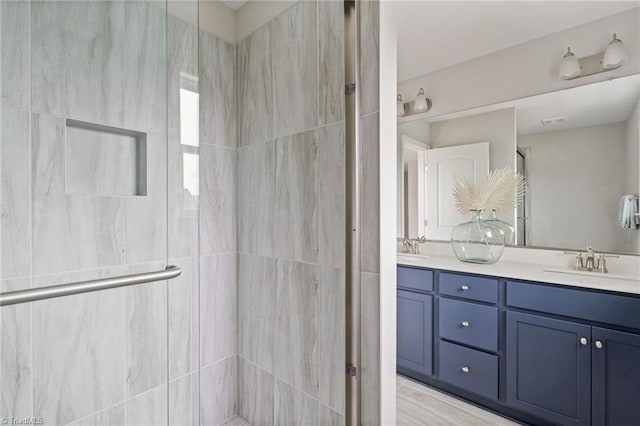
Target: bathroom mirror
[[578, 149]]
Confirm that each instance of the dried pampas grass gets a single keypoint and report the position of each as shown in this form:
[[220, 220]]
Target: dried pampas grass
[[501, 190]]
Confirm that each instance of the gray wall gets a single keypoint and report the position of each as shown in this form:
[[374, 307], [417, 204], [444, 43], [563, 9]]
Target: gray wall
[[566, 171], [632, 156], [291, 218]]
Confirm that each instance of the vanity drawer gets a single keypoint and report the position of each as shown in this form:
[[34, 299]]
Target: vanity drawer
[[607, 308], [469, 323], [469, 287], [469, 369], [415, 279]]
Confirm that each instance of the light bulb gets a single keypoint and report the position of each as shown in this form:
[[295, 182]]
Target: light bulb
[[400, 109], [420, 104], [570, 66], [615, 55]]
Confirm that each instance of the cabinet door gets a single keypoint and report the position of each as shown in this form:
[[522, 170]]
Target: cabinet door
[[615, 378], [415, 331], [549, 368]]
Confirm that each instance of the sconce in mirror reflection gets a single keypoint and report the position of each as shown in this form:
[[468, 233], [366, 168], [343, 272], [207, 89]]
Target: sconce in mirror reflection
[[613, 57], [420, 105]]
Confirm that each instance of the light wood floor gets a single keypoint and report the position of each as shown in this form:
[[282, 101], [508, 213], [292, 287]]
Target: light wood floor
[[419, 405]]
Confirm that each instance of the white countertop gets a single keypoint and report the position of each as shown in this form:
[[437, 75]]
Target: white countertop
[[552, 269]]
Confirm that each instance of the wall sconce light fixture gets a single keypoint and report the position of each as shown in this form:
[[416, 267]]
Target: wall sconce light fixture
[[570, 66], [400, 109], [418, 106], [613, 57]]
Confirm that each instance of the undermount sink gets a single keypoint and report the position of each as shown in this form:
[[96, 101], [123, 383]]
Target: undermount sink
[[410, 257], [594, 276]]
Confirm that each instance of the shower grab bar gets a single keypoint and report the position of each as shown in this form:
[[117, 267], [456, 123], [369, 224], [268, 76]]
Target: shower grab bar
[[31, 295]]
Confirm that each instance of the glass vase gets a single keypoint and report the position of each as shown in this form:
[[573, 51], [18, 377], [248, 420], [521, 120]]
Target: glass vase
[[507, 228], [477, 241]]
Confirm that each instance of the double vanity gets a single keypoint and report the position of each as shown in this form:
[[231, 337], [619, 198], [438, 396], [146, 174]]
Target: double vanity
[[541, 346]]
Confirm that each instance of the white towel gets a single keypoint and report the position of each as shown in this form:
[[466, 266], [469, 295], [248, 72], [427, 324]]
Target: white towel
[[628, 212]]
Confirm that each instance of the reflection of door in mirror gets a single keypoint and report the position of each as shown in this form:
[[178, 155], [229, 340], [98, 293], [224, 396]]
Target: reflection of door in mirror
[[443, 165]]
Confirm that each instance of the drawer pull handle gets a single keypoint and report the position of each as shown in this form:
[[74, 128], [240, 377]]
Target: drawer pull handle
[[465, 323], [583, 341], [599, 344], [465, 369], [464, 287]]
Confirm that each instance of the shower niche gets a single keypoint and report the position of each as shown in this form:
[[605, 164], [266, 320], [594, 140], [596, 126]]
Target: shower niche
[[104, 160]]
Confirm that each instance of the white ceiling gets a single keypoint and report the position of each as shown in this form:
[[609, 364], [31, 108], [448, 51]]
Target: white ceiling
[[609, 101], [590, 105], [436, 34]]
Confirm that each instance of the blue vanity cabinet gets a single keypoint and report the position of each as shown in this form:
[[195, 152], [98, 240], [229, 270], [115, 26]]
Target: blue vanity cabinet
[[541, 353], [467, 344], [415, 322], [415, 333], [616, 377], [549, 368]]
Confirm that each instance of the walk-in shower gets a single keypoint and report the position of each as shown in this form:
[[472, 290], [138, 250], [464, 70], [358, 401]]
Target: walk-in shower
[[181, 185]]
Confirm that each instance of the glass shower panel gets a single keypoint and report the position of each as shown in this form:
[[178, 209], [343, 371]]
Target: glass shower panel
[[95, 185], [184, 210]]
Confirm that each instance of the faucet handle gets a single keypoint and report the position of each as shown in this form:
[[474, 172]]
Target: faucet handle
[[579, 263], [602, 262]]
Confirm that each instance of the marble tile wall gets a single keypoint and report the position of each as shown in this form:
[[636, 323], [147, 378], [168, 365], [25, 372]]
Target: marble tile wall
[[16, 366], [146, 318], [296, 218], [218, 283], [291, 204], [370, 212], [370, 352], [255, 87], [218, 391], [78, 344], [15, 40], [149, 408], [295, 69], [145, 66], [217, 199], [217, 91], [369, 56], [77, 54], [183, 401], [130, 356], [15, 202]]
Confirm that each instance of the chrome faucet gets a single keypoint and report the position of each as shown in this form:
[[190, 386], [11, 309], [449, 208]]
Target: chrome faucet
[[412, 245], [590, 263], [408, 246]]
